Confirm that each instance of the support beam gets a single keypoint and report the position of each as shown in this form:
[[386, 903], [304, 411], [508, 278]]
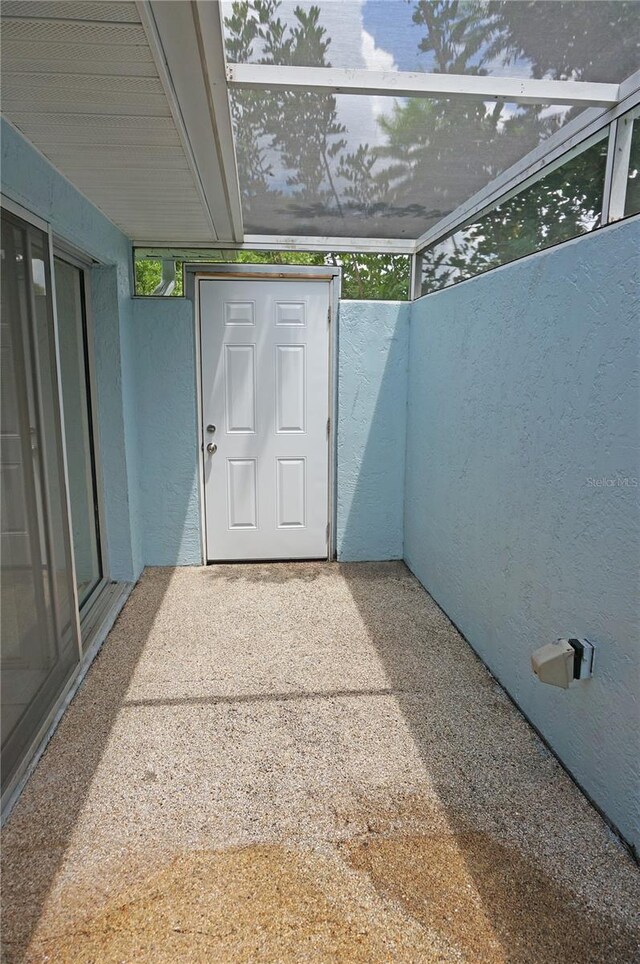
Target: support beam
[[385, 83], [616, 180], [276, 242]]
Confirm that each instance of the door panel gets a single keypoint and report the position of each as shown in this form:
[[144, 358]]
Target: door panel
[[265, 389], [291, 493], [240, 383], [242, 493], [290, 388]]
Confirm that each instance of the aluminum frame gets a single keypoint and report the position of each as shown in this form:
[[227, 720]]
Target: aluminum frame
[[618, 159], [91, 624], [280, 242], [534, 164], [63, 448], [193, 274], [70, 254], [388, 83]]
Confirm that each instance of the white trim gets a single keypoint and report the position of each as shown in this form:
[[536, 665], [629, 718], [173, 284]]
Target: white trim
[[184, 39], [388, 83], [279, 242], [275, 242], [275, 272], [574, 134], [608, 173], [199, 427], [334, 401], [415, 280], [629, 86], [208, 19]]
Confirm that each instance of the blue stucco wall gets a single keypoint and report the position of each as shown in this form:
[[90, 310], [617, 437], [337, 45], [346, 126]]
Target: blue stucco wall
[[523, 394], [28, 179], [372, 402], [167, 430]]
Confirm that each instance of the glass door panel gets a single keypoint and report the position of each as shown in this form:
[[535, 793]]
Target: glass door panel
[[72, 340], [37, 615]]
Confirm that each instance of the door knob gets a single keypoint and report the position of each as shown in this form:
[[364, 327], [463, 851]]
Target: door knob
[[212, 448]]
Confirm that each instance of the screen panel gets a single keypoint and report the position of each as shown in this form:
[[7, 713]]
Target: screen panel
[[591, 40], [314, 164], [352, 166], [562, 204]]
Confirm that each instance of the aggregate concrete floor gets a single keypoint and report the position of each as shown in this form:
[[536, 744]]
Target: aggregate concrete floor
[[304, 763]]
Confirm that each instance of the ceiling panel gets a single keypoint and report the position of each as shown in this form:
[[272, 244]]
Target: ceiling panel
[[80, 81], [26, 56], [75, 32], [71, 10]]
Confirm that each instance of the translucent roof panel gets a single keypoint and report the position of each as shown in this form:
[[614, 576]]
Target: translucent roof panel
[[590, 40], [368, 166], [352, 166]]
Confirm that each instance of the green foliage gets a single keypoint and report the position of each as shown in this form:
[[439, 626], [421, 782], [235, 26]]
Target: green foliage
[[562, 205], [148, 275], [377, 277]]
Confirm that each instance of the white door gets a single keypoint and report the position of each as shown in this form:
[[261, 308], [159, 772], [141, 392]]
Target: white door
[[265, 410]]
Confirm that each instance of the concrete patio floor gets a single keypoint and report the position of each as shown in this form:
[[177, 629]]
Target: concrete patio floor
[[304, 762]]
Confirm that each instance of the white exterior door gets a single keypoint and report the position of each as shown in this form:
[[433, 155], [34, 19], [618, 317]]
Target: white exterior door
[[265, 410]]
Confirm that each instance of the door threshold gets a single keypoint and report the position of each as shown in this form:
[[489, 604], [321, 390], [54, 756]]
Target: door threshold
[[258, 562]]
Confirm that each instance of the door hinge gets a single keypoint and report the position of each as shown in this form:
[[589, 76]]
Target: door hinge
[[328, 427], [329, 315], [328, 530]]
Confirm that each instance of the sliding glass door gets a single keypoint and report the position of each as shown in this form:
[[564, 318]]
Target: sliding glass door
[[40, 645], [51, 565], [76, 396]]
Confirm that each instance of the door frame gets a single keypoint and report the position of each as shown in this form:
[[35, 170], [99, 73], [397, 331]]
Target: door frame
[[65, 251], [194, 272]]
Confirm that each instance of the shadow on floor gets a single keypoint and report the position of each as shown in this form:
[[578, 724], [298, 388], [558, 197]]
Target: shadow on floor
[[471, 740], [486, 884], [472, 859], [73, 755]]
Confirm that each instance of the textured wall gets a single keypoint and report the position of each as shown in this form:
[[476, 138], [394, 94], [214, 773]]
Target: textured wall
[[30, 180], [523, 392], [167, 431], [372, 384]]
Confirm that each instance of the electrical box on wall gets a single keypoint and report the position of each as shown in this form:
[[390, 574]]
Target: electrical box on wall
[[564, 662]]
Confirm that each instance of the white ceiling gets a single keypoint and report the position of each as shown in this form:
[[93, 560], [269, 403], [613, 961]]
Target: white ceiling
[[79, 79]]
